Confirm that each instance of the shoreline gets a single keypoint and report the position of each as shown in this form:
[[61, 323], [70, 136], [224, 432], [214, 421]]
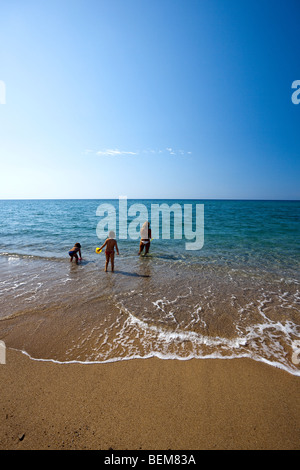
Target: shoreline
[[276, 365], [148, 404]]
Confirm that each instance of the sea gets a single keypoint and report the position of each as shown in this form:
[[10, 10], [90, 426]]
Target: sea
[[238, 296]]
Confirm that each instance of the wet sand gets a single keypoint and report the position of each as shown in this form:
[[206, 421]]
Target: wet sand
[[148, 404]]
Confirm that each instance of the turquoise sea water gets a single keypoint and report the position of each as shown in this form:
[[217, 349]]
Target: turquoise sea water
[[236, 297]]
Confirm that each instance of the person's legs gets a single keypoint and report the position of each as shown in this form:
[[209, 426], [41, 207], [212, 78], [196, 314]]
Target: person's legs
[[107, 261], [147, 248], [112, 262], [141, 247]]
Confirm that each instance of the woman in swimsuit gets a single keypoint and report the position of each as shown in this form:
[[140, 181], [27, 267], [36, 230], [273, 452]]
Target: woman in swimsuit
[[145, 238], [74, 251], [110, 244]]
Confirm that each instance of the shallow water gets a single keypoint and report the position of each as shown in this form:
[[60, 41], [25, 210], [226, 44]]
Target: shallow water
[[239, 296]]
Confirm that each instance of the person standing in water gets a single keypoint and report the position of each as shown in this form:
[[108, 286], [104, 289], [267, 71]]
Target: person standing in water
[[145, 238], [110, 245]]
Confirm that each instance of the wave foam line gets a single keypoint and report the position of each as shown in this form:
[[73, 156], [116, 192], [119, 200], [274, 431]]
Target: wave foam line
[[278, 365]]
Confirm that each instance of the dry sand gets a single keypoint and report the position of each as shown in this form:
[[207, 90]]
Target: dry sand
[[148, 404]]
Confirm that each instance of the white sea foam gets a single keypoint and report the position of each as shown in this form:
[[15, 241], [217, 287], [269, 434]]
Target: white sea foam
[[174, 324], [162, 356], [258, 342]]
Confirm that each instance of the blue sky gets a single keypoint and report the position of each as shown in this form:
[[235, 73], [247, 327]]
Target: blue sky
[[149, 99]]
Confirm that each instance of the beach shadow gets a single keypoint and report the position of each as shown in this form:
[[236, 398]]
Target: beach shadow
[[126, 273], [168, 257], [84, 262]]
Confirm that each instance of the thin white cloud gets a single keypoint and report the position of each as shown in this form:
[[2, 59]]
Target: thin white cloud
[[114, 152], [119, 153], [170, 150]]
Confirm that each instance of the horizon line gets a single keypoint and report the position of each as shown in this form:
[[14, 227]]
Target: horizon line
[[147, 199]]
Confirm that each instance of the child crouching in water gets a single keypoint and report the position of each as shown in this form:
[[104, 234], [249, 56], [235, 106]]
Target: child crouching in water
[[74, 251], [110, 245]]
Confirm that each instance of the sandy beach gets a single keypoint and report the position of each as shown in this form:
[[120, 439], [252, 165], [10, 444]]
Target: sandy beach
[[147, 404]]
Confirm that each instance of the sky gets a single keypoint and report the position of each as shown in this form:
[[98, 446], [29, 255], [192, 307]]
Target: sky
[[188, 99]]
